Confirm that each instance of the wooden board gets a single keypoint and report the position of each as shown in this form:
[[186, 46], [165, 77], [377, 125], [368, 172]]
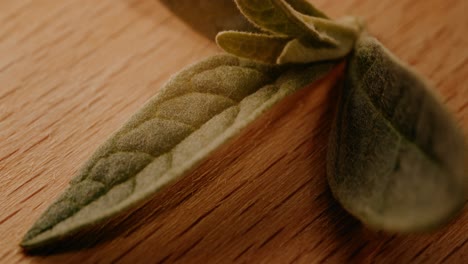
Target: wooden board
[[72, 71]]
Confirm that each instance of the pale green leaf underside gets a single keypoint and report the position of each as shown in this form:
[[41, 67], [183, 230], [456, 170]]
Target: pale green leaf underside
[[197, 111], [396, 159]]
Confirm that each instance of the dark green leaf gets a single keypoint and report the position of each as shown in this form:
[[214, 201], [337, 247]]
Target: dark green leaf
[[396, 161]]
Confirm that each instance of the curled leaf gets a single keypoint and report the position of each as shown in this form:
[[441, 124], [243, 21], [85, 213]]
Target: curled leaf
[[397, 160], [197, 111]]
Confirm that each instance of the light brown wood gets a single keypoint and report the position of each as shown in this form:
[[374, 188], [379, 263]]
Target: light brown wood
[[72, 71]]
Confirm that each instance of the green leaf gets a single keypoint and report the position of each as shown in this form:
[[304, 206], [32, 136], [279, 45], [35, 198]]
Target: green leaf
[[259, 47], [209, 17], [297, 51], [397, 160], [279, 17], [343, 32], [283, 49], [197, 111]]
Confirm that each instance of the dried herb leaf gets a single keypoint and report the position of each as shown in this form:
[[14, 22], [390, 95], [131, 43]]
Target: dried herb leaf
[[396, 159], [209, 17], [197, 111]]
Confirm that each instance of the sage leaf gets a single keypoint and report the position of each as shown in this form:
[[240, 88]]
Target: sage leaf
[[209, 17], [197, 111], [279, 17], [396, 159], [297, 51], [275, 49], [333, 39], [344, 32], [305, 7], [259, 47]]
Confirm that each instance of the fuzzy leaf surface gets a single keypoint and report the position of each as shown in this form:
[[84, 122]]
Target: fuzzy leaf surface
[[306, 8], [279, 17], [396, 159], [259, 47], [197, 111]]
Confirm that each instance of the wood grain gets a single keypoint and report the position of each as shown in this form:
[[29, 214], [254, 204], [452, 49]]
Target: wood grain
[[73, 71]]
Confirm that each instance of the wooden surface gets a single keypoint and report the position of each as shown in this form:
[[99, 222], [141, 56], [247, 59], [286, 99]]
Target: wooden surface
[[73, 71]]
